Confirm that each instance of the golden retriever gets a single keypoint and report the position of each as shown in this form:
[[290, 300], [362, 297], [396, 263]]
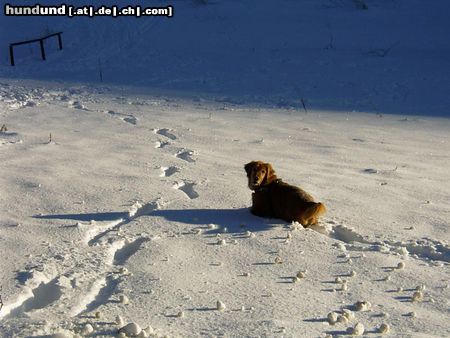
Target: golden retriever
[[275, 199]]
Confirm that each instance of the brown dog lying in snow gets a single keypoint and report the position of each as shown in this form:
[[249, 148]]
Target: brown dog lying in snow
[[275, 199]]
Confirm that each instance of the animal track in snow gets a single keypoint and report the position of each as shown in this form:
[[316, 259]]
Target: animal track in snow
[[426, 248], [124, 117], [7, 138], [187, 188], [118, 251], [7, 143], [130, 119], [77, 105], [42, 295], [95, 235], [103, 295], [186, 155], [161, 144], [129, 249], [169, 171], [166, 132], [347, 235], [53, 286]]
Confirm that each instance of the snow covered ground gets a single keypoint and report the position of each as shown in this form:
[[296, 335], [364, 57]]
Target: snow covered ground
[[134, 194], [126, 200]]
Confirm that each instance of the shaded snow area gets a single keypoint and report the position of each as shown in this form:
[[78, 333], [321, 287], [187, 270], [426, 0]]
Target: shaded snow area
[[124, 205], [327, 54]]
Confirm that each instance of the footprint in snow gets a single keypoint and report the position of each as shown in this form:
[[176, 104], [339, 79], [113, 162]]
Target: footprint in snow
[[186, 155], [187, 188], [168, 171], [77, 105], [161, 144], [166, 132], [124, 117]]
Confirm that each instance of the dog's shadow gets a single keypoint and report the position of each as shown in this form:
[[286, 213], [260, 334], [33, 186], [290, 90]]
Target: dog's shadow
[[232, 221]]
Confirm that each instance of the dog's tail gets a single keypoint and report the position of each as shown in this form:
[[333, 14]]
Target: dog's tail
[[312, 213]]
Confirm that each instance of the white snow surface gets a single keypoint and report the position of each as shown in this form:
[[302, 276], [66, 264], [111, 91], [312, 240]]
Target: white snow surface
[[134, 189]]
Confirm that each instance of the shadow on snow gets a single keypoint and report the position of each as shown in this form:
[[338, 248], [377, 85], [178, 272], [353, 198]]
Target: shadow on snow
[[235, 220]]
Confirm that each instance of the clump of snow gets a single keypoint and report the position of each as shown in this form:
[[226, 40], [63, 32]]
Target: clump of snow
[[301, 274], [350, 315], [357, 330], [119, 321], [332, 318], [384, 328], [363, 305], [87, 329], [342, 319], [421, 287], [124, 299], [401, 265], [417, 296], [249, 234], [131, 329], [220, 306], [221, 241], [149, 330]]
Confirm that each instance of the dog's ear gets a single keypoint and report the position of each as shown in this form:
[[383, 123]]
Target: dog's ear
[[270, 174], [248, 167]]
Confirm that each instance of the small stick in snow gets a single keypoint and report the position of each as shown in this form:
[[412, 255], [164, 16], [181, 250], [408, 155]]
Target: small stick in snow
[[304, 105], [360, 4], [382, 52], [330, 43], [100, 70]]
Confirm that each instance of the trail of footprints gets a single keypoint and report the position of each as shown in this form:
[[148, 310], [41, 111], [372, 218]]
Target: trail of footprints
[[109, 250], [46, 287], [185, 186], [56, 287]]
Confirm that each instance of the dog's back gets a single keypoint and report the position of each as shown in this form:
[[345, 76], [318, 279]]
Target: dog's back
[[294, 204]]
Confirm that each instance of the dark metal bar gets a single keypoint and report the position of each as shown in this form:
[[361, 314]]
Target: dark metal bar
[[41, 42], [11, 54], [35, 40], [59, 41]]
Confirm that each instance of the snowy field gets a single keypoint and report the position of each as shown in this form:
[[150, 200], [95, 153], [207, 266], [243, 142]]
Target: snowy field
[[126, 200]]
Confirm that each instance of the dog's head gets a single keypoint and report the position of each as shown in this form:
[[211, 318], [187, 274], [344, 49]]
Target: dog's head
[[259, 174]]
